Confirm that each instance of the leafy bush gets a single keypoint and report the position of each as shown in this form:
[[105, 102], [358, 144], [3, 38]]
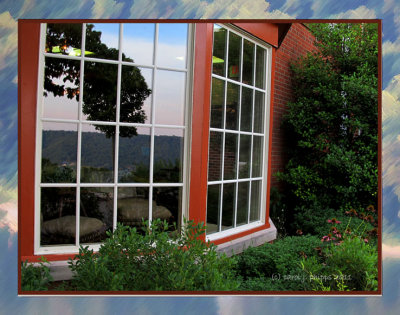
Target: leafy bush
[[350, 265], [154, 260], [332, 126], [314, 221], [35, 278], [275, 266]]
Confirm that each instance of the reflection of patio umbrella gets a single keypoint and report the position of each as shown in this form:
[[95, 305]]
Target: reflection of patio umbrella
[[71, 51], [217, 60]]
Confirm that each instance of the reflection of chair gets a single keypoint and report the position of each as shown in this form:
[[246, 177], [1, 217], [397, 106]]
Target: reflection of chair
[[132, 210], [62, 230]]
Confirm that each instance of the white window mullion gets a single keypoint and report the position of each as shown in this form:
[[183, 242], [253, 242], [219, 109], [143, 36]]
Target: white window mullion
[[153, 120], [80, 116], [117, 118]]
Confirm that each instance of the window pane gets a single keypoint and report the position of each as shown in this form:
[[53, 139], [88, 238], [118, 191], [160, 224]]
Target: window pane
[[135, 101], [64, 39], [248, 62], [217, 103], [228, 206], [244, 156], [232, 106], [102, 40], [170, 98], [213, 204], [96, 214], [57, 216], [246, 111], [172, 43], [97, 161], [259, 112], [230, 156], [168, 205], [134, 155], [100, 91], [235, 43], [133, 206], [214, 156], [260, 67], [168, 155], [61, 88], [138, 42], [219, 47], [242, 203], [257, 156], [59, 151], [255, 203]]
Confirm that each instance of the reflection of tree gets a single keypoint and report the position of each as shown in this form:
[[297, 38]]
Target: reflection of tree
[[100, 83]]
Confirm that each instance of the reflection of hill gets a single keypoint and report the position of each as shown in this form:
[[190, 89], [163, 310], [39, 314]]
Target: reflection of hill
[[60, 147]]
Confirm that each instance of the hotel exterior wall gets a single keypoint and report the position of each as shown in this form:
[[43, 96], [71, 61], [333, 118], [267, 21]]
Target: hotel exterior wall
[[298, 42]]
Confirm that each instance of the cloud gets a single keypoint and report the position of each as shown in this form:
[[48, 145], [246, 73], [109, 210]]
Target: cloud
[[389, 47], [8, 40], [106, 9], [389, 251], [362, 12], [229, 9]]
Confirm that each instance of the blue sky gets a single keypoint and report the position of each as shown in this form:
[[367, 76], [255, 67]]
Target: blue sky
[[387, 10]]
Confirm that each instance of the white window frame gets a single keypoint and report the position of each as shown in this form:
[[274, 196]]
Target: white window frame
[[266, 134], [188, 70]]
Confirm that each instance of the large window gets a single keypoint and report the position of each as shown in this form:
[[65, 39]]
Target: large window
[[238, 128], [112, 130]]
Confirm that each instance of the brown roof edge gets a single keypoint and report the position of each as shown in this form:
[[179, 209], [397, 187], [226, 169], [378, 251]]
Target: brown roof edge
[[283, 28]]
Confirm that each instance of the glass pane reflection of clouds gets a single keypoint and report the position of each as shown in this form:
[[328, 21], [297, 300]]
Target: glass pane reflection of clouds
[[102, 40], [138, 43], [63, 39], [172, 43], [61, 88], [170, 98]]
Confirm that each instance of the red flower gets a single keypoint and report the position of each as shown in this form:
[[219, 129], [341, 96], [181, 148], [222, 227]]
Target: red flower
[[334, 221]]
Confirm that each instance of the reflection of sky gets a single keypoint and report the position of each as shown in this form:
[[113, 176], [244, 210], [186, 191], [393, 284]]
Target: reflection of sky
[[10, 11], [138, 44]]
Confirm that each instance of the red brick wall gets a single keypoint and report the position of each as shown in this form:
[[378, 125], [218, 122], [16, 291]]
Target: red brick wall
[[298, 41]]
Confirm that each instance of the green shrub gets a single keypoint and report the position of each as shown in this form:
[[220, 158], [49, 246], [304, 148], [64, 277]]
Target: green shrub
[[276, 266], [332, 124], [314, 221], [154, 260], [35, 278], [350, 265]]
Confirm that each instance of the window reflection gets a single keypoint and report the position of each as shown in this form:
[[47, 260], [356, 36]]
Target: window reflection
[[135, 103], [96, 214], [213, 203], [97, 160], [57, 216], [235, 47], [102, 40], [232, 106], [215, 156], [59, 147], [172, 43], [137, 43], [242, 203], [134, 155], [168, 205], [217, 103], [230, 155], [61, 88], [133, 206], [248, 62], [228, 206], [64, 39], [255, 203], [219, 47], [170, 98], [168, 155]]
